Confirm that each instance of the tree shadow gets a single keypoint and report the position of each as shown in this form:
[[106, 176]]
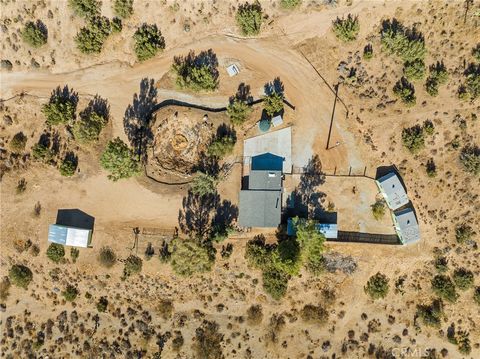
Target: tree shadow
[[225, 130], [99, 106], [195, 217], [225, 215], [63, 95], [137, 117], [243, 94], [276, 86], [307, 200], [42, 27], [70, 156], [207, 58], [207, 164]]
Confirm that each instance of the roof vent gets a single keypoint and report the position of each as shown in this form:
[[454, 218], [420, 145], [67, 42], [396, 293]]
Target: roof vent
[[271, 174], [408, 221]]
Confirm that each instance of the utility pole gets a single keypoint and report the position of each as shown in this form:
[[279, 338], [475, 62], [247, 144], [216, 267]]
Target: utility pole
[[333, 114]]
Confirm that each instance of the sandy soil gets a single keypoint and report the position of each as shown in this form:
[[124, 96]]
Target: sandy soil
[[368, 137]]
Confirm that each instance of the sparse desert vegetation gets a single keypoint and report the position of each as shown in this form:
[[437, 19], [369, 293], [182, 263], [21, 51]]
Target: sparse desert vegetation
[[169, 272]]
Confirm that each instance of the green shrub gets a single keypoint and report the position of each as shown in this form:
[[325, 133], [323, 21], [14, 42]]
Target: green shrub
[[249, 18], [438, 76], [21, 186], [406, 43], [273, 103], [123, 8], [90, 38], [314, 314], [290, 4], [208, 341], [188, 257], [476, 295], [405, 91], [107, 257], [463, 233], [221, 146], [34, 34], [463, 278], [88, 127], [74, 253], [443, 286], [431, 168], [428, 127], [413, 138], [463, 342], [133, 265], [119, 160], [432, 314], [476, 52], [470, 159], [257, 253], [377, 286], [254, 314], [238, 111], [204, 184], [378, 209], [312, 244], [68, 167], [102, 304], [287, 257], [18, 142], [414, 70], [42, 153], [20, 275], [148, 41], [60, 109], [471, 89], [275, 282], [197, 72], [346, 29], [70, 293], [368, 52], [55, 252], [85, 8]]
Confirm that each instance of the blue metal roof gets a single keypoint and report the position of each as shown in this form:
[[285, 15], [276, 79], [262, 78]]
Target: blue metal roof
[[57, 234], [329, 230]]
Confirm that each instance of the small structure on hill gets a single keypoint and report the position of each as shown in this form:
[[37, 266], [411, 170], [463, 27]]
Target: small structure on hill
[[406, 226], [329, 230], [69, 236], [277, 121], [393, 191], [233, 70], [266, 159]]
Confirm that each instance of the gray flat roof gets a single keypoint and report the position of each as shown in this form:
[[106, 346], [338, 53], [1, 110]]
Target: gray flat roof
[[278, 143], [407, 225], [393, 190], [259, 208], [271, 180]]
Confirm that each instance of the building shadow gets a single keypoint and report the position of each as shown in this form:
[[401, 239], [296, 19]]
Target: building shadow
[[75, 218]]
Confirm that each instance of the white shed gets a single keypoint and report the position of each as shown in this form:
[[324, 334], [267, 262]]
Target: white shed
[[233, 70]]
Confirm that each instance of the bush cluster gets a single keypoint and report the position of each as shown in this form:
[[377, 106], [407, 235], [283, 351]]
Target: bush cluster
[[107, 257], [273, 103], [118, 159], [85, 8], [368, 52], [42, 153], [470, 159], [432, 314], [290, 4], [221, 146], [414, 70], [123, 8], [90, 38], [148, 41], [471, 88], [68, 167], [346, 29], [406, 43], [59, 110], [18, 142], [443, 286], [55, 252], [463, 278], [88, 127], [189, 257], [413, 138], [249, 18], [197, 72], [20, 275], [238, 111], [70, 293], [34, 34], [405, 91], [438, 76], [133, 265], [377, 286], [463, 233], [378, 209]]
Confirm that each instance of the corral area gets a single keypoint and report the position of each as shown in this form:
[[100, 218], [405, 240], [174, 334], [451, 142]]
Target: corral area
[[157, 312]]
